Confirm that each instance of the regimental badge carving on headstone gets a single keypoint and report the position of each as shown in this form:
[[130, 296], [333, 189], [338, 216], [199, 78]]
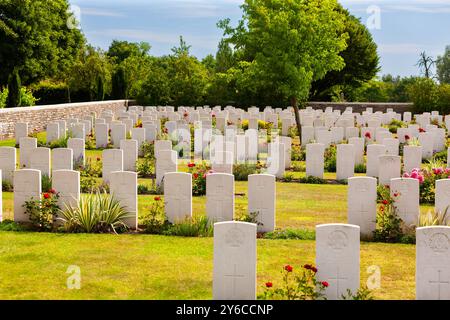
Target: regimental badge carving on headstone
[[439, 243], [234, 238], [338, 240]]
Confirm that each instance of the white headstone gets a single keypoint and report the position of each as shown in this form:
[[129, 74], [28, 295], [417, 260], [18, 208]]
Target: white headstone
[[62, 159], [130, 154], [442, 201], [412, 157], [52, 132], [315, 160], [77, 146], [405, 192], [101, 135], [261, 200], [123, 186], [433, 263], [220, 197], [374, 151], [20, 131], [40, 160], [27, 146], [8, 163], [389, 168], [337, 258], [362, 204], [234, 275], [67, 184], [177, 196], [27, 185], [166, 161], [345, 161], [112, 162]]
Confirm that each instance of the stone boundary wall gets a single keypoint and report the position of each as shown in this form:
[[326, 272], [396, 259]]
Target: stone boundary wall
[[39, 116], [361, 106]]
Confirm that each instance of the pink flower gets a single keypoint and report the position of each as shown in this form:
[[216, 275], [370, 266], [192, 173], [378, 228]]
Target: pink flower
[[438, 171], [406, 175], [415, 175], [447, 171], [421, 179]]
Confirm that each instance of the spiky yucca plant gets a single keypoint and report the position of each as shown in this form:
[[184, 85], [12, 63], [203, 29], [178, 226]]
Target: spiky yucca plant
[[95, 213], [435, 218]]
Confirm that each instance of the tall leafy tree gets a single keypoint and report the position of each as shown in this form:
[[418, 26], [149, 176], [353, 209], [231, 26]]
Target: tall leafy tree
[[224, 57], [121, 50], [361, 62], [443, 66], [36, 40], [14, 85], [293, 42]]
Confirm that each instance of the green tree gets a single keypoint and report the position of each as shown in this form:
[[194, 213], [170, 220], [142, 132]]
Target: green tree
[[293, 42], [36, 40], [121, 50], [84, 74], [224, 57], [14, 85], [118, 84], [443, 66], [361, 62], [210, 64], [424, 93], [100, 88], [155, 88]]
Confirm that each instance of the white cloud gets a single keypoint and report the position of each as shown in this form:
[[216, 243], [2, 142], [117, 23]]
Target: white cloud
[[99, 12]]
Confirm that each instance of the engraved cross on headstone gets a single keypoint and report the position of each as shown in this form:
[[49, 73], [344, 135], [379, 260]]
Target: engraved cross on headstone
[[337, 279], [439, 282]]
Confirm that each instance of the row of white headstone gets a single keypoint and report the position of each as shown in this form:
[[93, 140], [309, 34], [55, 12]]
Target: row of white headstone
[[362, 201], [177, 191], [337, 260]]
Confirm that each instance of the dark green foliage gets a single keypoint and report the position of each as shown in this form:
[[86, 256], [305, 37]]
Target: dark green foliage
[[14, 99], [50, 93], [330, 159], [9, 225], [100, 88], [312, 180], [119, 86], [242, 171], [292, 234]]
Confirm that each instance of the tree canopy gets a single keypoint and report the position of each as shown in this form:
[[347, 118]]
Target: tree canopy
[[443, 66], [36, 40]]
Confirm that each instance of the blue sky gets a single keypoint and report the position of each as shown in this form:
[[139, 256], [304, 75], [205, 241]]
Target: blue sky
[[403, 30]]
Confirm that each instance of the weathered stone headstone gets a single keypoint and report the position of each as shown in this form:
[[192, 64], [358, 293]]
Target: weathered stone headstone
[[276, 162], [161, 145], [101, 135], [432, 263], [20, 131], [442, 201], [220, 197], [40, 160], [405, 192], [315, 160], [112, 162], [358, 144], [389, 168], [27, 147], [8, 162], [52, 132], [27, 185], [138, 134], [62, 159], [77, 146], [178, 196], [426, 140], [118, 133], [123, 186], [412, 157], [345, 161], [362, 204], [130, 154], [234, 275], [374, 151], [337, 258], [261, 200], [392, 146], [67, 184], [166, 161]]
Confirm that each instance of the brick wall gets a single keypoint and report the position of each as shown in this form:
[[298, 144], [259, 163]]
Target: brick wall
[[39, 116]]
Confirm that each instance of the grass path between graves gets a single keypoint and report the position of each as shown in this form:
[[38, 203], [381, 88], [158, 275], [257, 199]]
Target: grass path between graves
[[34, 265]]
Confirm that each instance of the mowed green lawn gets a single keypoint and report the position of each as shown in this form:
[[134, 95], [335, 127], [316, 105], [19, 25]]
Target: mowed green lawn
[[155, 267]]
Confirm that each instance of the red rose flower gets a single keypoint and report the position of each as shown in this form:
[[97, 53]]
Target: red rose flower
[[288, 268], [407, 137], [382, 209], [46, 196], [314, 269], [191, 165], [368, 135], [269, 284], [396, 195], [307, 266], [98, 159], [422, 130], [195, 175], [385, 202], [325, 284], [157, 198]]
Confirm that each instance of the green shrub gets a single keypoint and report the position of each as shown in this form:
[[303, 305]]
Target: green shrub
[[443, 101], [298, 153], [242, 171], [46, 183], [291, 234], [330, 159], [312, 180], [360, 168], [424, 94], [363, 293], [3, 97], [42, 212], [7, 186], [191, 227], [388, 223], [60, 143], [145, 167], [299, 167], [26, 97], [288, 177], [95, 213], [14, 99], [154, 222], [47, 92], [9, 225]]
